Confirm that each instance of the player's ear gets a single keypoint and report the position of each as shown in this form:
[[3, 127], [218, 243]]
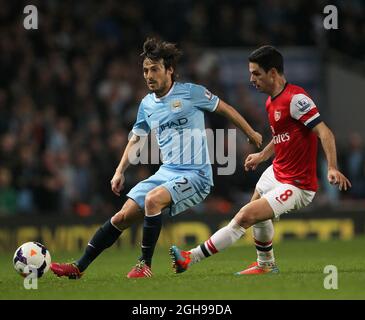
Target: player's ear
[[273, 73], [170, 70]]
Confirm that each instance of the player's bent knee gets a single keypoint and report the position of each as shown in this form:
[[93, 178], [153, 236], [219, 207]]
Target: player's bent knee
[[245, 218], [119, 220], [152, 201], [123, 219]]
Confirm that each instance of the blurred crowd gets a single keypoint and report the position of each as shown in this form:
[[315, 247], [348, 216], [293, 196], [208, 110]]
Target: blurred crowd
[[69, 92]]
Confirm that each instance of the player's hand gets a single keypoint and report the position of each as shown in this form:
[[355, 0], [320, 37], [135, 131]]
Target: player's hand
[[117, 183], [256, 139], [252, 161], [335, 177]]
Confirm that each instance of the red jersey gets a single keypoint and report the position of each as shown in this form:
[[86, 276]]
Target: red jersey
[[292, 115]]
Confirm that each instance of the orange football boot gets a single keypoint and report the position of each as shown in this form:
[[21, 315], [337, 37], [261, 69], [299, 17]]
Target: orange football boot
[[255, 268]]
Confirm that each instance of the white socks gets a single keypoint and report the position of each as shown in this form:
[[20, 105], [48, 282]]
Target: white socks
[[220, 240], [263, 233]]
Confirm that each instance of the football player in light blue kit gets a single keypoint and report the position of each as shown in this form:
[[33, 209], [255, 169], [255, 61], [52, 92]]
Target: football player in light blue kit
[[175, 113], [180, 110]]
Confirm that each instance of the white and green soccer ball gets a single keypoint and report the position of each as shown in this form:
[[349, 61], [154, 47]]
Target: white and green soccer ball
[[32, 257]]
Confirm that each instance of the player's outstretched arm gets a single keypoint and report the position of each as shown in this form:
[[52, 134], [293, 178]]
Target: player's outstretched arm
[[329, 146], [129, 155], [254, 159], [233, 115]]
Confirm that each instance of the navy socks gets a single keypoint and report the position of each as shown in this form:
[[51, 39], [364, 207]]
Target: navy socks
[[151, 231], [102, 239]]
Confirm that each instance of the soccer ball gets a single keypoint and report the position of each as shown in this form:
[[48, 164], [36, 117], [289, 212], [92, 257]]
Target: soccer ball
[[32, 257]]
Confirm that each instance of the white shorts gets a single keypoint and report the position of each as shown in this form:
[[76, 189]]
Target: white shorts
[[282, 197]]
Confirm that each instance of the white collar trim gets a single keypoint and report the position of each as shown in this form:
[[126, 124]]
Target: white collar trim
[[167, 94]]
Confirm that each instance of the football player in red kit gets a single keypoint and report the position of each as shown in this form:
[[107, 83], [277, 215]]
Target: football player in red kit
[[290, 182]]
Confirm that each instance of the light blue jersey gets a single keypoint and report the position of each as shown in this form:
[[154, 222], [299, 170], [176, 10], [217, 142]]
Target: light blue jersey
[[177, 119], [178, 122]]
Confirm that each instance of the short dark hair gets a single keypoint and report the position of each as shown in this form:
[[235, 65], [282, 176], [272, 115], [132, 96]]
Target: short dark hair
[[268, 57], [155, 50]]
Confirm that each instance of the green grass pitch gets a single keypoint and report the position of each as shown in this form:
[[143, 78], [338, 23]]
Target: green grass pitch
[[301, 276]]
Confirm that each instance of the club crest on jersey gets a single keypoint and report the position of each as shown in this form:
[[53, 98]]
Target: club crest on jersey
[[303, 105], [277, 115], [176, 106]]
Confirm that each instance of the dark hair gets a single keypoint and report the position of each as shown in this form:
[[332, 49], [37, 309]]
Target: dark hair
[[155, 50], [268, 57]]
